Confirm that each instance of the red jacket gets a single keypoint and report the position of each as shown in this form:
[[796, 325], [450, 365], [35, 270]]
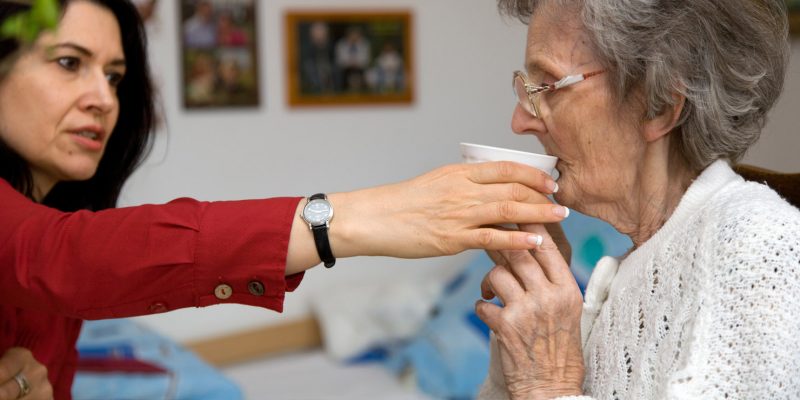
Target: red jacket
[[60, 268]]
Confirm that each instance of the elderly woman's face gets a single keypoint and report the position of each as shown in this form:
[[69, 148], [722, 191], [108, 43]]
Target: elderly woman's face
[[579, 124], [58, 103]]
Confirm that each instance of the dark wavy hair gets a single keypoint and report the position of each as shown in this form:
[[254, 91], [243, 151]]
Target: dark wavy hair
[[131, 139]]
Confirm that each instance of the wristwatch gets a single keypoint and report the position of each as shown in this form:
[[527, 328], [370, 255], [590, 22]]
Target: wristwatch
[[318, 213]]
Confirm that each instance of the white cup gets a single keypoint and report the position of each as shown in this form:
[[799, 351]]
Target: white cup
[[475, 153]]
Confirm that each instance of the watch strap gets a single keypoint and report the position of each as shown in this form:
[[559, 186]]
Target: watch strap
[[321, 238], [323, 245]]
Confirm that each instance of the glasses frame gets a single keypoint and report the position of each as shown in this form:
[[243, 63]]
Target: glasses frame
[[534, 92]]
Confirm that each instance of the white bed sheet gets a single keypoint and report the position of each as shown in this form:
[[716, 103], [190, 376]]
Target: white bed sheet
[[314, 376]]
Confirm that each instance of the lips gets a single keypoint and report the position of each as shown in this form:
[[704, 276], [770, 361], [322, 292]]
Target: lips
[[90, 132], [89, 137]]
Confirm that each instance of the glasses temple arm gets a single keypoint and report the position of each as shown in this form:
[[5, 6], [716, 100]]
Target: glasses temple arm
[[573, 79]]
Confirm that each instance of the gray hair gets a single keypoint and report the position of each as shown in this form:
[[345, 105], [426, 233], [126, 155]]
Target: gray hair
[[727, 57]]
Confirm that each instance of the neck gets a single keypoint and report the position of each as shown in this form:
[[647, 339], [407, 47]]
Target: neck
[[652, 195], [42, 185]]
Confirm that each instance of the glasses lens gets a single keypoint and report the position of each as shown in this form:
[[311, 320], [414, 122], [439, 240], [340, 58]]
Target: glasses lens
[[523, 97]]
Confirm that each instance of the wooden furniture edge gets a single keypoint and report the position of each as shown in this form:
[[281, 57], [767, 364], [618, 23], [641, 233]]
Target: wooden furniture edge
[[258, 343]]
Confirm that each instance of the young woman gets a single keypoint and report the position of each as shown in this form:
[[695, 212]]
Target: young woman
[[76, 113]]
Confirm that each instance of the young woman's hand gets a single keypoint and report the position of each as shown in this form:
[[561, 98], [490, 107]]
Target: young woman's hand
[[20, 372], [445, 211]]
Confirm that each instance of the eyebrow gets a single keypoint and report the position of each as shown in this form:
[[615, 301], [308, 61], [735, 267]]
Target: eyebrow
[[86, 52]]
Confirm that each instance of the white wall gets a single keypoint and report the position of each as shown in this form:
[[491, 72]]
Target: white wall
[[464, 56], [779, 147]]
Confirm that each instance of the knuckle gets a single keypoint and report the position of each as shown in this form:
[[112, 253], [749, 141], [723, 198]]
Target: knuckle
[[484, 238], [5, 370], [494, 274], [39, 370], [507, 320], [576, 301], [518, 256], [449, 169], [548, 245], [506, 210], [518, 192], [550, 298], [480, 309], [505, 169], [541, 212]]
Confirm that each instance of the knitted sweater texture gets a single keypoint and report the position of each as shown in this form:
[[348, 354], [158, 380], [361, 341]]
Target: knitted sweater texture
[[708, 308]]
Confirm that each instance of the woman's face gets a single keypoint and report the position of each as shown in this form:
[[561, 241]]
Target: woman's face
[[580, 124], [58, 103]]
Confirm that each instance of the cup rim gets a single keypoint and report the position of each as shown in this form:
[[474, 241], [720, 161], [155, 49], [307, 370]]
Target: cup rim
[[501, 149]]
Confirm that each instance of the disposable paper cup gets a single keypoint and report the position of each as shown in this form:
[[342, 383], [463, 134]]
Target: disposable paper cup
[[475, 153]]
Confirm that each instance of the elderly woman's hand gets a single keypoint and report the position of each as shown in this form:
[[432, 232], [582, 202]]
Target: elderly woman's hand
[[538, 326], [22, 377], [445, 211]]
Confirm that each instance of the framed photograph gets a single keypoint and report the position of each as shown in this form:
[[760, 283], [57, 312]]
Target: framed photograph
[[220, 63], [794, 16], [349, 58]]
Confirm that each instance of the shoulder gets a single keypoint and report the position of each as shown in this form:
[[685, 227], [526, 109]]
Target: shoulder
[[748, 301], [751, 212], [10, 196], [751, 237]]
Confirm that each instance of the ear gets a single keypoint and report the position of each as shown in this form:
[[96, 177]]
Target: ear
[[664, 123]]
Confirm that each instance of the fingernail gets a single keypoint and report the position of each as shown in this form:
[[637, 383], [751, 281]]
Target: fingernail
[[561, 211], [552, 186], [535, 240]]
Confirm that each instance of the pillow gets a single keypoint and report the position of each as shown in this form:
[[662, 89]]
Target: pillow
[[449, 356], [119, 359]]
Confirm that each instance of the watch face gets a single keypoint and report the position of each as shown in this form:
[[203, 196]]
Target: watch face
[[317, 212]]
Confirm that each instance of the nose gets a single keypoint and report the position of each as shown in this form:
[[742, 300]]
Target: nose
[[99, 96], [522, 122]]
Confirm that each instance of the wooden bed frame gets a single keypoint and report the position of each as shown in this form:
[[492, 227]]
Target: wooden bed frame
[[259, 343]]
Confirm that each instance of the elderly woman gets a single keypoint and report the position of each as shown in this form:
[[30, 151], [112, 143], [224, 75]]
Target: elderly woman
[[646, 103]]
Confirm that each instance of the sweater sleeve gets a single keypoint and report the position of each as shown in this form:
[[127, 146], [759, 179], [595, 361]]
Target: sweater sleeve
[[745, 341], [145, 259]]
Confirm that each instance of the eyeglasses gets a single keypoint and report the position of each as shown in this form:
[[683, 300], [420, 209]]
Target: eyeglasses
[[530, 95]]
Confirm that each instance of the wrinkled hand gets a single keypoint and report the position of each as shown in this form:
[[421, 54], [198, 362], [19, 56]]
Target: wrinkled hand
[[16, 360], [538, 326], [446, 211]]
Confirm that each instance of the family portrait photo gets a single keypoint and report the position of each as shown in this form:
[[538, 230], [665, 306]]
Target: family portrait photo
[[220, 66], [342, 58], [794, 16]]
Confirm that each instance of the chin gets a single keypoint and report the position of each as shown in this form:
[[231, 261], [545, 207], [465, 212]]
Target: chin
[[83, 173]]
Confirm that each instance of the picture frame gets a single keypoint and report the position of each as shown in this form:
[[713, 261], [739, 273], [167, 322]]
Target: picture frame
[[794, 16], [218, 53], [349, 58]]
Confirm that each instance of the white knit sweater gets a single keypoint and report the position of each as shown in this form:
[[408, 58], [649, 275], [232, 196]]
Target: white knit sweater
[[708, 308]]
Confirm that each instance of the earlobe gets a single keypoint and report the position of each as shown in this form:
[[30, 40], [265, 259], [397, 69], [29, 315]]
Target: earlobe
[[664, 123]]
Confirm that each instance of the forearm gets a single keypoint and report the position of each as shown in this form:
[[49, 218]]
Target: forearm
[[146, 259]]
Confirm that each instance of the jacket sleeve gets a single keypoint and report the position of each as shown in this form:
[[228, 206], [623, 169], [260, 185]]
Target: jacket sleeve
[[145, 259]]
